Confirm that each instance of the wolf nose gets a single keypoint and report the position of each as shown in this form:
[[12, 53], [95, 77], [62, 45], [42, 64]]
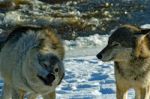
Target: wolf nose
[[50, 78], [99, 56]]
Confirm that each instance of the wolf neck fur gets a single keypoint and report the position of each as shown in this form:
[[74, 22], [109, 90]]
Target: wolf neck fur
[[27, 41], [134, 69]]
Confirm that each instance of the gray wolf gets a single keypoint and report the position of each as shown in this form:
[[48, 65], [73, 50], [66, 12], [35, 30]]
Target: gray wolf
[[129, 48], [31, 63]]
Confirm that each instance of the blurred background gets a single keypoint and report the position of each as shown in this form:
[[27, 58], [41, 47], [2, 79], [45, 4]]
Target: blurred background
[[86, 17], [104, 15]]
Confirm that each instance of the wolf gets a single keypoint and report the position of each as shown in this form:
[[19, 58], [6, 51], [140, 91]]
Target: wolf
[[31, 63], [129, 47]]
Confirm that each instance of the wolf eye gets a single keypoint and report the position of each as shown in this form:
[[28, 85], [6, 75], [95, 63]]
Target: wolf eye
[[56, 70]]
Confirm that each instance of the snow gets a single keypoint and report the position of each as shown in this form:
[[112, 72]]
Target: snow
[[88, 78], [145, 26]]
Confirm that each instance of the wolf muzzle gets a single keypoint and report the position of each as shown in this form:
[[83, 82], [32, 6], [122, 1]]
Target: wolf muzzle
[[48, 80], [50, 69]]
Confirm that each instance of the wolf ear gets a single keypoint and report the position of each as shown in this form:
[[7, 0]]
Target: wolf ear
[[142, 49]]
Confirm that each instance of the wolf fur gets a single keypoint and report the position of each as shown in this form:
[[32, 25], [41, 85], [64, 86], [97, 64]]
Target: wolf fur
[[129, 48], [31, 62]]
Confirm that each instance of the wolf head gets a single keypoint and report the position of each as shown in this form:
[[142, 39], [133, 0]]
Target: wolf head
[[50, 57], [51, 69], [43, 56], [125, 43]]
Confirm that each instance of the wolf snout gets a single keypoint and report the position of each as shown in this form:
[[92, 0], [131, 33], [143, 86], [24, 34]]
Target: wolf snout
[[50, 78]]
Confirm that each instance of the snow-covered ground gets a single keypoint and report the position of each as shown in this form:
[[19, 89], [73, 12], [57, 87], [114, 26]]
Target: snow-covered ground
[[88, 78]]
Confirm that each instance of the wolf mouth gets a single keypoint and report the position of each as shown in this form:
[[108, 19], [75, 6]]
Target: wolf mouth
[[106, 60], [111, 59], [48, 80]]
